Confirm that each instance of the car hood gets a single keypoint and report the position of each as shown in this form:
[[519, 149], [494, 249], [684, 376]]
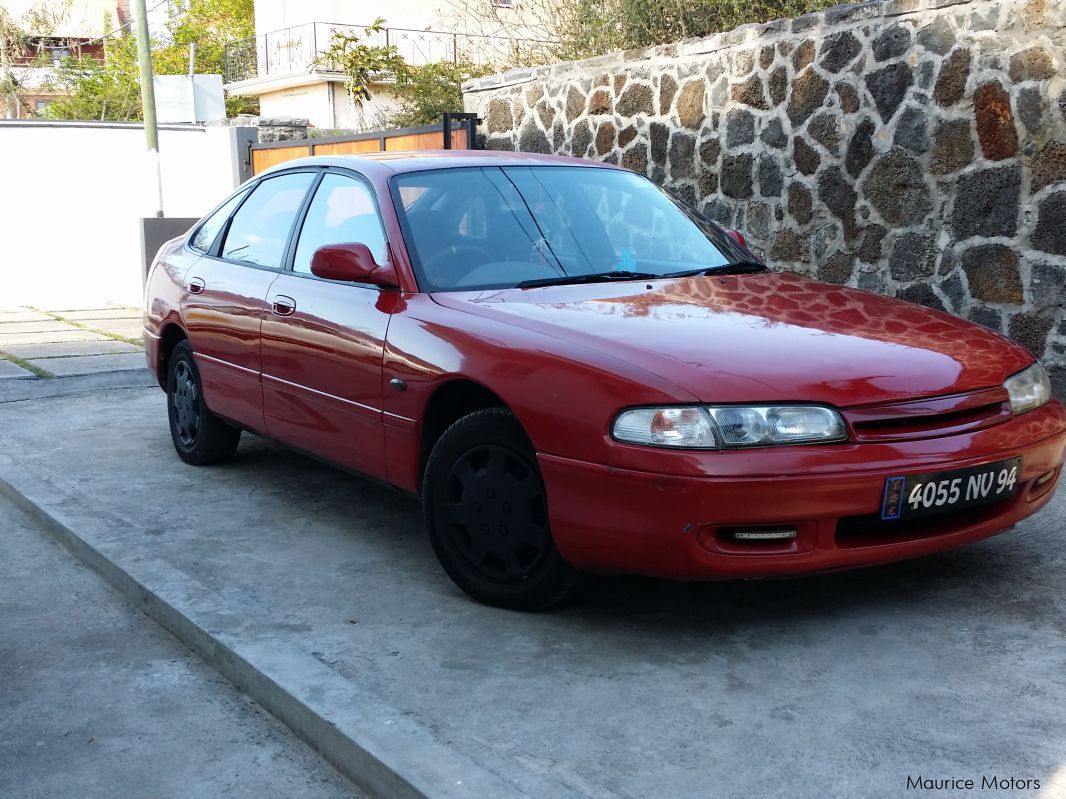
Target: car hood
[[766, 337]]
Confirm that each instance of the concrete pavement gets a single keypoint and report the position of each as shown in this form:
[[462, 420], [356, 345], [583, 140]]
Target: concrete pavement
[[318, 594], [100, 702]]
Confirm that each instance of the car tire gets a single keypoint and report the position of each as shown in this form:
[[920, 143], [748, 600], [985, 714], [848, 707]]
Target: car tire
[[486, 511], [200, 437]]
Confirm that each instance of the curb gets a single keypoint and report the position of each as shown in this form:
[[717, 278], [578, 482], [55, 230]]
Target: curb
[[380, 748]]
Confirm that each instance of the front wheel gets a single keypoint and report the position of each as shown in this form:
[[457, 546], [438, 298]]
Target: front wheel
[[199, 436], [487, 515]]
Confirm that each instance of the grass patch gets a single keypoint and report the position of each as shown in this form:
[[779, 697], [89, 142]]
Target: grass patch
[[23, 363], [90, 329]]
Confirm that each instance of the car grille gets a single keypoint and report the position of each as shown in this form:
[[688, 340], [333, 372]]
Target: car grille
[[928, 418], [871, 530]]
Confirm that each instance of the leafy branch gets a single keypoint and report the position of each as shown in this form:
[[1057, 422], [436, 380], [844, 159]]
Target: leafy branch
[[360, 62]]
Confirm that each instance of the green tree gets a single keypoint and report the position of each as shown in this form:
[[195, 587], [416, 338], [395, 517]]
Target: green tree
[[432, 89], [210, 24], [112, 90], [363, 64], [92, 90]]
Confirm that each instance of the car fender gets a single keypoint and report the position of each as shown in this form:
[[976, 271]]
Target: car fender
[[564, 394]]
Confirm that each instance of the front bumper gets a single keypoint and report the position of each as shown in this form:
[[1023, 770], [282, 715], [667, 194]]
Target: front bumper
[[621, 520], [152, 344]]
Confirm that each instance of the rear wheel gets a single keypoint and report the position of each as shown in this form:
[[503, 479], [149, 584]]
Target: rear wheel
[[199, 436], [487, 515]]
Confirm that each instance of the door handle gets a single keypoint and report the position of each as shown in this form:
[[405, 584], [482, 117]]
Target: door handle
[[283, 306], [197, 285]]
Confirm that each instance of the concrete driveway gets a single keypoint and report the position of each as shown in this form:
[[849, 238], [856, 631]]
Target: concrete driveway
[[51, 352], [837, 686]]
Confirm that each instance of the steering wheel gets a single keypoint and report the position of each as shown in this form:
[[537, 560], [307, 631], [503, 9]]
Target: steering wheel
[[454, 252]]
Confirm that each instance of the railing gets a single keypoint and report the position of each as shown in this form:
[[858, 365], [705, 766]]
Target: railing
[[297, 49]]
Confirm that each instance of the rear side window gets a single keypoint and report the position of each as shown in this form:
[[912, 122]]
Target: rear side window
[[342, 211], [209, 230], [260, 229]]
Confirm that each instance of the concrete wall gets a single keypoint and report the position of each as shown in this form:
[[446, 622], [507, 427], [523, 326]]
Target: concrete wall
[[310, 101], [915, 148], [74, 193]]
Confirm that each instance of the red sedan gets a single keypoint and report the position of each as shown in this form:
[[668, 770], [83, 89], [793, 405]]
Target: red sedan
[[577, 372]]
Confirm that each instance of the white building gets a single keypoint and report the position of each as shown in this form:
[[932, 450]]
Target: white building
[[278, 65]]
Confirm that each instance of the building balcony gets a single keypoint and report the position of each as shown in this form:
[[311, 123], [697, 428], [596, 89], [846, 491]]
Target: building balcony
[[296, 50]]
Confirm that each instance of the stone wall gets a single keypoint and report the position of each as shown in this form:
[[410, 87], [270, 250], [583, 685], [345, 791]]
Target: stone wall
[[270, 129], [915, 148]]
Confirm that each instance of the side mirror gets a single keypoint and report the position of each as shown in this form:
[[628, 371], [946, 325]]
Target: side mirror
[[352, 262], [738, 237]]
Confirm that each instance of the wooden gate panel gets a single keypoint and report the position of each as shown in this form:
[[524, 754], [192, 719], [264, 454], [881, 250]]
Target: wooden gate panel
[[429, 137]]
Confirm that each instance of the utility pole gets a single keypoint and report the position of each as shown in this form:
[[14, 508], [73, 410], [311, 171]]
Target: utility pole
[[151, 130]]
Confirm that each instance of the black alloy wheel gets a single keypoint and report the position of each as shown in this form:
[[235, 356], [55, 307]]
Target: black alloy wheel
[[496, 512], [199, 436], [486, 510], [186, 401]]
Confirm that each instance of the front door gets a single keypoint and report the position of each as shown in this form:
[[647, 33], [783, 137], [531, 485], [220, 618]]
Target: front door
[[323, 341], [224, 299]]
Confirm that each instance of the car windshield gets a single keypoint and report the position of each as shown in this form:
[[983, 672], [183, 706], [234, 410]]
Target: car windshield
[[502, 227]]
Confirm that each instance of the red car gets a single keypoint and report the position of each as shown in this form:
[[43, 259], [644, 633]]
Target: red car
[[577, 372]]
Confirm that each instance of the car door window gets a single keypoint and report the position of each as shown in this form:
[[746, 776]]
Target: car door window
[[260, 229], [343, 210], [209, 230]]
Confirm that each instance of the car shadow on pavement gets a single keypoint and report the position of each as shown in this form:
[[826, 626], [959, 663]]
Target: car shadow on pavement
[[991, 577]]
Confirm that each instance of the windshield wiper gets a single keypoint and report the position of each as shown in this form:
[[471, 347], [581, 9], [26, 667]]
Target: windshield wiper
[[595, 277], [735, 268]]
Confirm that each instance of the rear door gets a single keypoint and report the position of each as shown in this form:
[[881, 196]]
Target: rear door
[[323, 340], [224, 298]]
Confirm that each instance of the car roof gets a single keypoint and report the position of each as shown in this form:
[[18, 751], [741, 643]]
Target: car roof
[[384, 164]]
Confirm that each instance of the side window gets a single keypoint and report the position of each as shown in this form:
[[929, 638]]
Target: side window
[[343, 210], [260, 228], [209, 230]]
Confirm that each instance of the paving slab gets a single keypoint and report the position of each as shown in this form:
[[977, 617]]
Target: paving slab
[[66, 334], [133, 328], [324, 585], [70, 348], [22, 315], [90, 364], [98, 314], [12, 371], [79, 385], [61, 309], [44, 326], [100, 702]]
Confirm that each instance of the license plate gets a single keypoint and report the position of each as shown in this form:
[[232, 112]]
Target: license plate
[[911, 495]]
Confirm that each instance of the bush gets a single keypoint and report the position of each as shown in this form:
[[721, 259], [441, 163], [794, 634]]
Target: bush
[[430, 90], [588, 28]]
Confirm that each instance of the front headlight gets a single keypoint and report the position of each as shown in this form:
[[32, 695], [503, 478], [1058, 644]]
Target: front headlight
[[1030, 388], [729, 426]]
